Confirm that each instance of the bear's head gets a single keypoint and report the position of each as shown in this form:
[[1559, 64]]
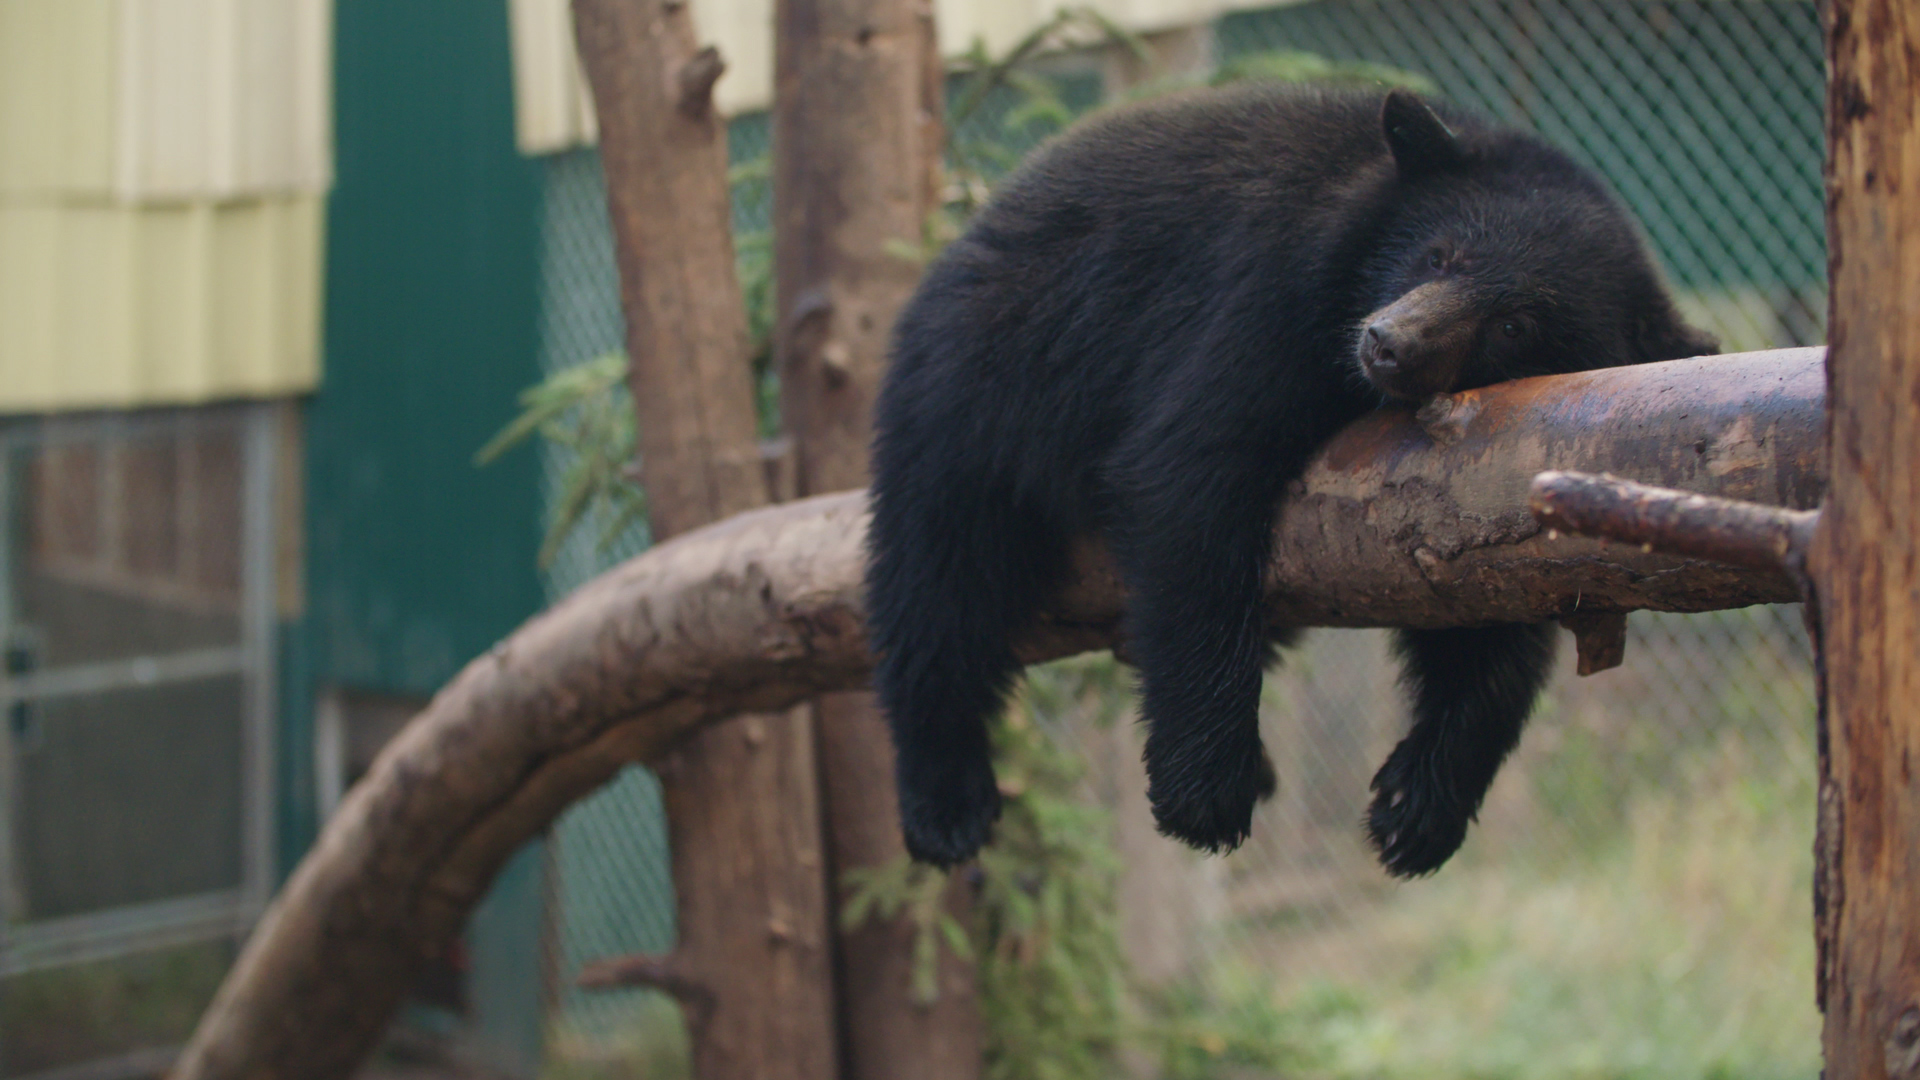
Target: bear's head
[[1501, 257]]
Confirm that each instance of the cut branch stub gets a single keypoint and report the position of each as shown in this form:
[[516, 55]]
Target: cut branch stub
[[1599, 638], [697, 77], [1675, 522], [660, 973]]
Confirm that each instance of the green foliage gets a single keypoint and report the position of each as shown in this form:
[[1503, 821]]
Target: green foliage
[[55, 1016], [586, 410], [634, 1035], [918, 892], [1235, 1021], [1290, 65], [1673, 949], [752, 184], [1678, 949], [1045, 935], [1047, 931], [1004, 107]]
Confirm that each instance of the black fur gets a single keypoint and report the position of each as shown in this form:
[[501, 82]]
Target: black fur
[[1146, 334]]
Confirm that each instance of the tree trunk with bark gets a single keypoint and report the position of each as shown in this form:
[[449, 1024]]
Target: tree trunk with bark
[[857, 141], [751, 967], [1401, 520], [1865, 562]]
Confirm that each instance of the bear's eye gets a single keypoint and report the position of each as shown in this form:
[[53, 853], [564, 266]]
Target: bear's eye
[[1435, 259], [1510, 328]]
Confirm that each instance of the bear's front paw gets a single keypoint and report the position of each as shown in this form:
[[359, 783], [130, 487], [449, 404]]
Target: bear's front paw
[[1414, 824], [1212, 813], [947, 811]]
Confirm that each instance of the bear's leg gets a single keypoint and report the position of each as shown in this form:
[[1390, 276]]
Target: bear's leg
[[1191, 552], [948, 586], [1472, 690]]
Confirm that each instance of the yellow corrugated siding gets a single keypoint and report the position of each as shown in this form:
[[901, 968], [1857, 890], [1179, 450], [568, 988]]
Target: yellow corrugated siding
[[550, 108], [165, 99], [57, 90], [163, 165], [111, 306], [554, 112], [223, 97]]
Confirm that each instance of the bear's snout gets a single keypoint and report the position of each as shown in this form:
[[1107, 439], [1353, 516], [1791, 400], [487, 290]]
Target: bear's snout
[[1384, 343], [1417, 346]]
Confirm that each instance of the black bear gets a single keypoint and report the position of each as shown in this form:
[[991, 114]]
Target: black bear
[[1145, 335]]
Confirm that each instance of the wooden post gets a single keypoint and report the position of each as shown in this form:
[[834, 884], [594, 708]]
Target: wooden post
[[858, 134], [1865, 562], [751, 967]]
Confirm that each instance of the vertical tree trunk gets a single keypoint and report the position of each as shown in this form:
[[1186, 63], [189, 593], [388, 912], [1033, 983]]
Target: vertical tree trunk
[[857, 144], [664, 151], [1866, 559], [751, 968]]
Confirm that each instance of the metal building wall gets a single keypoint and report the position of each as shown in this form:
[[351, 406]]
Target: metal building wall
[[418, 560]]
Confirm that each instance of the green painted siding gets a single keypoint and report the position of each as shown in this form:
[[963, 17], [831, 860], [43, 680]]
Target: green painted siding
[[418, 561]]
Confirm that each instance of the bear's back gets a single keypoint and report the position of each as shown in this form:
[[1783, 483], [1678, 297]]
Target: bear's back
[[1197, 160], [1108, 246]]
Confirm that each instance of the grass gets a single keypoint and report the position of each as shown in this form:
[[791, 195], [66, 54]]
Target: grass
[[639, 1036], [1635, 905], [1680, 950], [65, 1016], [1677, 948]]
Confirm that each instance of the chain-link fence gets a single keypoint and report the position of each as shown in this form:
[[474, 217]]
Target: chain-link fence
[[1704, 115], [1635, 900], [609, 879]]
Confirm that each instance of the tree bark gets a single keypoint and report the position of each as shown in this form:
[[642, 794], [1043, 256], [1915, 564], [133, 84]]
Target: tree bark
[[1865, 563], [742, 801], [857, 141], [664, 152], [1401, 520]]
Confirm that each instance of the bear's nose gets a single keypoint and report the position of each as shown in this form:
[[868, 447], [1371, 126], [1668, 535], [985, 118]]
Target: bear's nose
[[1382, 340]]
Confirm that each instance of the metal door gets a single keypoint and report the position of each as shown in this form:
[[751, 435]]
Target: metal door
[[136, 707]]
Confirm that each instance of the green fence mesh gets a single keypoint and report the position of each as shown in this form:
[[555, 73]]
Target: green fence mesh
[[1705, 117]]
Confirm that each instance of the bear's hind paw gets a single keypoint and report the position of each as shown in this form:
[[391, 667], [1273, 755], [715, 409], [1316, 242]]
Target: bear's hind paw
[[1414, 828], [947, 823], [1215, 815]]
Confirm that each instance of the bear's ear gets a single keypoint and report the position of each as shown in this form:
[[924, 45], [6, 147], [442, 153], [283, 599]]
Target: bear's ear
[[1420, 141], [1671, 339]]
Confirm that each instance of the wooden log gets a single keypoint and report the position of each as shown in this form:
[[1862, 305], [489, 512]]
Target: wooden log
[[1400, 520]]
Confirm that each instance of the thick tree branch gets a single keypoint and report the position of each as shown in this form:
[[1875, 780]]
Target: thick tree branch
[[1400, 521]]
